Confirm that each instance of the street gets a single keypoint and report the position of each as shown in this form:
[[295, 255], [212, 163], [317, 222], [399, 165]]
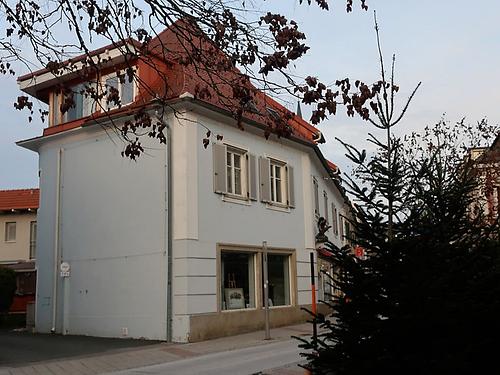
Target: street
[[244, 361]]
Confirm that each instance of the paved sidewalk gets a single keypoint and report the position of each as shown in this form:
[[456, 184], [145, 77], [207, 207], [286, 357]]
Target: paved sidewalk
[[123, 359]]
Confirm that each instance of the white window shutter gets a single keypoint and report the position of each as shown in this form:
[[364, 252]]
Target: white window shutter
[[219, 156], [252, 177], [265, 179], [291, 187]]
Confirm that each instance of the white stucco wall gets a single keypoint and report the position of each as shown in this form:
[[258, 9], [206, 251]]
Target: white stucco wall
[[214, 221], [112, 233], [113, 226]]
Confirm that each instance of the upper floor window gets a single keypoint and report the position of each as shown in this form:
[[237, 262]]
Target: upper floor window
[[10, 231], [236, 163], [325, 201], [33, 240], [234, 172], [316, 197], [335, 223], [78, 101], [120, 90], [276, 182], [73, 103]]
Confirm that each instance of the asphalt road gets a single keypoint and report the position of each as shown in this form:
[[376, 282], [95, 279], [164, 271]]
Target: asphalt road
[[21, 348], [244, 361]]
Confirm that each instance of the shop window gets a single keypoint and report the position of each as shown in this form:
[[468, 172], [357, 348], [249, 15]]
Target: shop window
[[238, 280], [279, 279]]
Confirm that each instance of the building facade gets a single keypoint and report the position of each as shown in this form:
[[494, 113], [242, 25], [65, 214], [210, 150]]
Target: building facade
[[18, 231], [171, 247]]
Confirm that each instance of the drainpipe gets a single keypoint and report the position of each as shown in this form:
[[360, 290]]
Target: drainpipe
[[168, 228], [56, 240]]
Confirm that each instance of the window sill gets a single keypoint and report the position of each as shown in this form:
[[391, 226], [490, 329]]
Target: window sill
[[14, 241], [237, 310], [278, 207], [235, 199]]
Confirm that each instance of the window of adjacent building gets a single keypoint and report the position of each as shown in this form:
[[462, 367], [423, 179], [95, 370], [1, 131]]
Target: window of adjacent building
[[316, 197], [237, 280], [83, 103], [325, 202], [33, 240], [278, 269], [123, 86], [10, 232], [236, 172]]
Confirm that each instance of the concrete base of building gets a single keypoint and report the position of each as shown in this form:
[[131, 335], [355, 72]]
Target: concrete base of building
[[229, 323]]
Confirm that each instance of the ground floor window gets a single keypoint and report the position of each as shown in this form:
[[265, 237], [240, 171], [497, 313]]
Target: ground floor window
[[238, 280], [242, 278], [279, 279]]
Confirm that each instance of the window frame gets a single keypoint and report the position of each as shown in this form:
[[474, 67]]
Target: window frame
[[102, 83], [56, 117], [6, 237], [244, 179], [258, 276], [33, 235], [274, 164], [316, 197], [325, 203], [335, 220]]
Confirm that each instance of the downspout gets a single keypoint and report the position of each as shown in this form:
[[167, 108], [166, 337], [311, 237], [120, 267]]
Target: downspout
[[168, 227], [56, 241], [169, 249]]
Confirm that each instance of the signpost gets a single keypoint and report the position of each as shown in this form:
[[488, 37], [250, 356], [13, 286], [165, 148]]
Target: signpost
[[266, 289], [313, 304]]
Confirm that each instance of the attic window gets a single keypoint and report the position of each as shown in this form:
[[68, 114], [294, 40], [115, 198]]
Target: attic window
[[274, 114], [125, 88], [251, 107], [83, 104]]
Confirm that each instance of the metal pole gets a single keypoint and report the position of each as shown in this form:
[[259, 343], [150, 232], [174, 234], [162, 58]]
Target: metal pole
[[266, 289], [313, 304]]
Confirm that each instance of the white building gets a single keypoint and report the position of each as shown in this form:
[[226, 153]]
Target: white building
[[170, 247]]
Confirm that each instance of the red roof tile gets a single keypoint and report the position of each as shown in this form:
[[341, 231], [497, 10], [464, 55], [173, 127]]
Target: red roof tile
[[21, 199]]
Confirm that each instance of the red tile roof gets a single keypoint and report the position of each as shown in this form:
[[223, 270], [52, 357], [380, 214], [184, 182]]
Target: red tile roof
[[21, 199]]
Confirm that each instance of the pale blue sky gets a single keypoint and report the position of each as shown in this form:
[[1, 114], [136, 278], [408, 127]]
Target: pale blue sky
[[452, 46]]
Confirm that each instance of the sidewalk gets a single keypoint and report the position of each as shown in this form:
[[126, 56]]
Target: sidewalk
[[123, 359]]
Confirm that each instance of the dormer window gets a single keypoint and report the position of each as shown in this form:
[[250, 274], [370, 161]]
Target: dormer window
[[80, 99], [123, 86]]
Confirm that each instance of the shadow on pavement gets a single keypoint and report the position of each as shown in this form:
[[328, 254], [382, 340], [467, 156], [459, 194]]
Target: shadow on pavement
[[21, 348]]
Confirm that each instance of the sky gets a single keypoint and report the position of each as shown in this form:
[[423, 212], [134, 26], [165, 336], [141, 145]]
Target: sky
[[451, 46]]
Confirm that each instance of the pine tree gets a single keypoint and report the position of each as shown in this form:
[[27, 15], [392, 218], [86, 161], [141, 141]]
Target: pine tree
[[425, 298]]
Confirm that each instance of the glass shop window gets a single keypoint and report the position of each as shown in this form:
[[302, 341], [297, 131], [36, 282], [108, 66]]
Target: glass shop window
[[238, 280]]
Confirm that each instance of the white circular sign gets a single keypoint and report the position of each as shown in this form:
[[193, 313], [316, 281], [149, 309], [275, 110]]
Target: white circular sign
[[64, 267]]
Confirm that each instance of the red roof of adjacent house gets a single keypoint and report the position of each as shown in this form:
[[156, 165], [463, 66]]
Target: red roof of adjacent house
[[21, 199]]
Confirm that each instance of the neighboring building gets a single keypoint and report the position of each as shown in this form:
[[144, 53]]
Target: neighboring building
[[487, 162], [170, 247], [18, 215]]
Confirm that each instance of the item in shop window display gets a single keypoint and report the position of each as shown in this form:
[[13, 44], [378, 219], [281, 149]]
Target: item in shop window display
[[234, 298]]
